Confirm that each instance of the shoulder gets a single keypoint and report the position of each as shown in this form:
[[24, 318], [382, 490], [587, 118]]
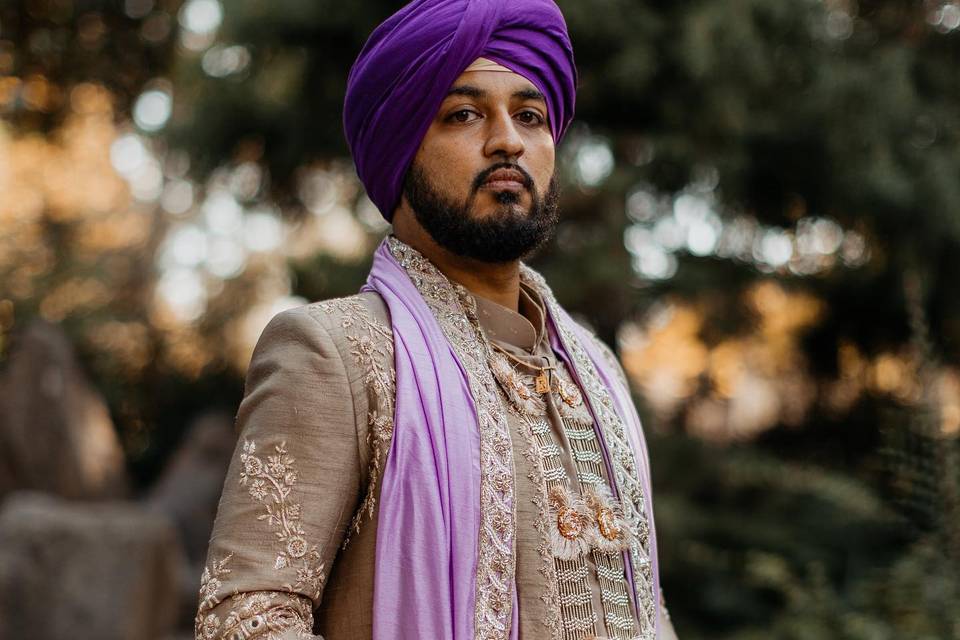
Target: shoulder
[[325, 320], [322, 336], [367, 308]]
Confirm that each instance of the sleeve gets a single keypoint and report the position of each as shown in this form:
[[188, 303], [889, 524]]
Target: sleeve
[[290, 490]]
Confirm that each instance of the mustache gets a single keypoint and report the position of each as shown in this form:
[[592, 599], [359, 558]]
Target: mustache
[[483, 175]]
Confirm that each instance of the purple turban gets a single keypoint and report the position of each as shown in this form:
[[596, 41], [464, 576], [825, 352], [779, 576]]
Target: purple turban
[[410, 62]]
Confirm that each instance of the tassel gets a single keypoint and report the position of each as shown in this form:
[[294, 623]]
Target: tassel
[[610, 532], [518, 394], [570, 524]]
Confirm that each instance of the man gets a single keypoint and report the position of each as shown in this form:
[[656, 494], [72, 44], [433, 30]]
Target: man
[[446, 454]]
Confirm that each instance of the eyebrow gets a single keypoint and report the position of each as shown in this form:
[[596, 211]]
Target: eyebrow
[[471, 91]]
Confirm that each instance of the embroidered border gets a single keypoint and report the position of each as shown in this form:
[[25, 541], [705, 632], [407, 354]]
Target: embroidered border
[[253, 614], [455, 310], [625, 465], [576, 610], [261, 615]]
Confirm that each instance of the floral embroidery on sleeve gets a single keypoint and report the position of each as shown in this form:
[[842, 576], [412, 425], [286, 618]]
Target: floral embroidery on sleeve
[[271, 483], [206, 627], [257, 614], [210, 581]]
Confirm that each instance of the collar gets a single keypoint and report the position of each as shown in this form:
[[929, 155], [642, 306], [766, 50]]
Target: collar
[[524, 329]]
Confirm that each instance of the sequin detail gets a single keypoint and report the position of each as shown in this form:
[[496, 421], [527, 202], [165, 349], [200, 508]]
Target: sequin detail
[[626, 468]]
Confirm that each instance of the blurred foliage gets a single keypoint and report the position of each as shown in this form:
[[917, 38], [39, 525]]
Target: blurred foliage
[[788, 550], [834, 514]]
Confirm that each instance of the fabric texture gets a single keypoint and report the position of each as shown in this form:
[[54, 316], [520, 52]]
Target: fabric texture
[[410, 61], [634, 430], [427, 550], [320, 385], [426, 553]]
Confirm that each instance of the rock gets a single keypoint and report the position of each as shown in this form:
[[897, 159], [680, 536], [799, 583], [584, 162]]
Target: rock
[[79, 570], [190, 486], [55, 429], [188, 493]]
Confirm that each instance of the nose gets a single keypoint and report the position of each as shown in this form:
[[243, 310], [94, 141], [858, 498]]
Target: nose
[[503, 138]]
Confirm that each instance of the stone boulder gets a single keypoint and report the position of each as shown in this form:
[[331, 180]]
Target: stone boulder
[[188, 493], [86, 570], [56, 434], [189, 488]]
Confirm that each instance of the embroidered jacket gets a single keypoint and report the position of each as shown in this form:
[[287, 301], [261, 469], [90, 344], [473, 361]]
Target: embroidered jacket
[[292, 550]]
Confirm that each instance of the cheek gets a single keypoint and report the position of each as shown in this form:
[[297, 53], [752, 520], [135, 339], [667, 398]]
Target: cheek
[[442, 153], [542, 161], [445, 165]]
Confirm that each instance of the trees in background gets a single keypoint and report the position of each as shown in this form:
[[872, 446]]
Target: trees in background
[[761, 209]]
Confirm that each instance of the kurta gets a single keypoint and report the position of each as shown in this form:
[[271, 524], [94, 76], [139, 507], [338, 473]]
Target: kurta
[[293, 545]]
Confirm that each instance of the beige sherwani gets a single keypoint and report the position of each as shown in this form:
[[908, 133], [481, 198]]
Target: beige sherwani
[[293, 546]]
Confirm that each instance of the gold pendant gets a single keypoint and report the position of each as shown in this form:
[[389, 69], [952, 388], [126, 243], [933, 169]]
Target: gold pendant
[[543, 383]]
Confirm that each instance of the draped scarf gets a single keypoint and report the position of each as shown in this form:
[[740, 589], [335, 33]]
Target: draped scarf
[[445, 550]]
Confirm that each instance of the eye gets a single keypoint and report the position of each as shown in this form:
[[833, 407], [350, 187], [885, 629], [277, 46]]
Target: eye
[[462, 116], [529, 117]]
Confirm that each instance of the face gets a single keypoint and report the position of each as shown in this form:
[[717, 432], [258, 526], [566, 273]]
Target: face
[[482, 183]]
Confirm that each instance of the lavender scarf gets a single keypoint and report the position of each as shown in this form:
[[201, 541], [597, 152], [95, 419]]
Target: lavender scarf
[[445, 535]]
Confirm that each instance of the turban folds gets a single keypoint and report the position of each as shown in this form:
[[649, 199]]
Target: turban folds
[[411, 60]]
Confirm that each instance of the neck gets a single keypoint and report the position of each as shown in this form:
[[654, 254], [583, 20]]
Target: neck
[[499, 282]]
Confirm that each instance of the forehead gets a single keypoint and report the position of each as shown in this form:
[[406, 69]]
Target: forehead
[[494, 83]]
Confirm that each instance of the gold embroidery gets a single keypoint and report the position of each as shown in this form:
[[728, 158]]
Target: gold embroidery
[[206, 627], [626, 467], [607, 516], [210, 582], [607, 532], [451, 304], [371, 345], [275, 479], [564, 523], [551, 595], [253, 614], [599, 509], [267, 614], [517, 388], [570, 536], [612, 533]]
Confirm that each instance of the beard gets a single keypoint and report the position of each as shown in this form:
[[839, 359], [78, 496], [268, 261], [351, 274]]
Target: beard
[[507, 234]]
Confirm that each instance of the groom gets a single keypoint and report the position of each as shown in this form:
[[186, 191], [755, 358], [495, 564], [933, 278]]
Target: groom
[[446, 454]]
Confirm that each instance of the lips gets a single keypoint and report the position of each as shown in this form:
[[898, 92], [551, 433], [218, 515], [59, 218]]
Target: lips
[[505, 178]]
